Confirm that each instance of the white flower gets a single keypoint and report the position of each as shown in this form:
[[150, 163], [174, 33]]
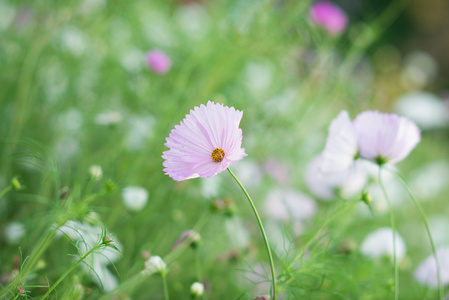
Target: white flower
[[108, 118], [326, 186], [288, 204], [426, 273], [380, 243], [423, 108], [135, 197], [248, 172], [197, 289], [155, 264], [96, 172], [14, 232], [341, 145]]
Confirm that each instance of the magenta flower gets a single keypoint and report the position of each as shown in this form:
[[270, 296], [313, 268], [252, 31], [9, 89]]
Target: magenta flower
[[158, 61], [329, 16], [384, 137], [206, 142]]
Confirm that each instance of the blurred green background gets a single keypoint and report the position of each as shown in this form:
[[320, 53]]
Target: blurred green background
[[76, 91]]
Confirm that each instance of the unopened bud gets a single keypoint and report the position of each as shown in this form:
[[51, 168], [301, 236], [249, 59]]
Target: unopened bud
[[110, 185], [20, 289], [191, 237], [96, 172], [366, 197], [15, 184], [196, 290], [156, 264]]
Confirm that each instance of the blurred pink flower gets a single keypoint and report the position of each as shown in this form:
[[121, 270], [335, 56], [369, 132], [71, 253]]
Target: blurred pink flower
[[341, 145], [158, 61], [329, 16], [384, 137], [206, 142]]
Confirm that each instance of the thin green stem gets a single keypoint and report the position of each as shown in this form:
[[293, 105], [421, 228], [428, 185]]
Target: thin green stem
[[267, 245], [393, 227], [426, 224], [164, 283], [342, 208], [70, 270], [5, 190]]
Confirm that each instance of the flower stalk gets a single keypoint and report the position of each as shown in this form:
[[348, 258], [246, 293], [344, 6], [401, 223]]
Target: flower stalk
[[262, 230]]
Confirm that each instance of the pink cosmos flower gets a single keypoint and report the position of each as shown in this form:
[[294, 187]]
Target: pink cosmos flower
[[329, 16], [341, 145], [384, 137], [158, 61], [206, 142]]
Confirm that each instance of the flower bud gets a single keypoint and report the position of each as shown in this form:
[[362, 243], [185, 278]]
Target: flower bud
[[197, 290], [366, 197], [96, 172], [15, 184], [156, 264], [192, 237], [263, 297]]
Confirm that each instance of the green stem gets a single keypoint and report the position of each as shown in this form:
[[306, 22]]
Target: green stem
[[70, 270], [164, 283], [344, 207], [393, 227], [426, 224], [5, 190], [267, 245]]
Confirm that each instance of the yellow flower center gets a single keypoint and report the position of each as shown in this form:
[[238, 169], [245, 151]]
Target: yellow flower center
[[218, 154]]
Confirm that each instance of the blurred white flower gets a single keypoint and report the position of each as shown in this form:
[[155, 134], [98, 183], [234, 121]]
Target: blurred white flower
[[197, 289], [258, 78], [237, 232], [326, 186], [14, 232], [249, 172], [380, 243], [140, 130], [426, 273], [7, 14], [158, 29], [341, 145], [96, 172], [426, 109], [155, 264], [430, 180], [70, 120], [72, 40], [88, 7], [420, 69], [288, 204], [193, 20], [108, 118], [66, 147], [86, 237], [135, 197], [133, 60], [210, 186]]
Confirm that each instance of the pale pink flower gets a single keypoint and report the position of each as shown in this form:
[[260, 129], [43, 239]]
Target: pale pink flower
[[329, 16], [384, 137], [341, 145], [206, 142], [426, 273], [158, 61]]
